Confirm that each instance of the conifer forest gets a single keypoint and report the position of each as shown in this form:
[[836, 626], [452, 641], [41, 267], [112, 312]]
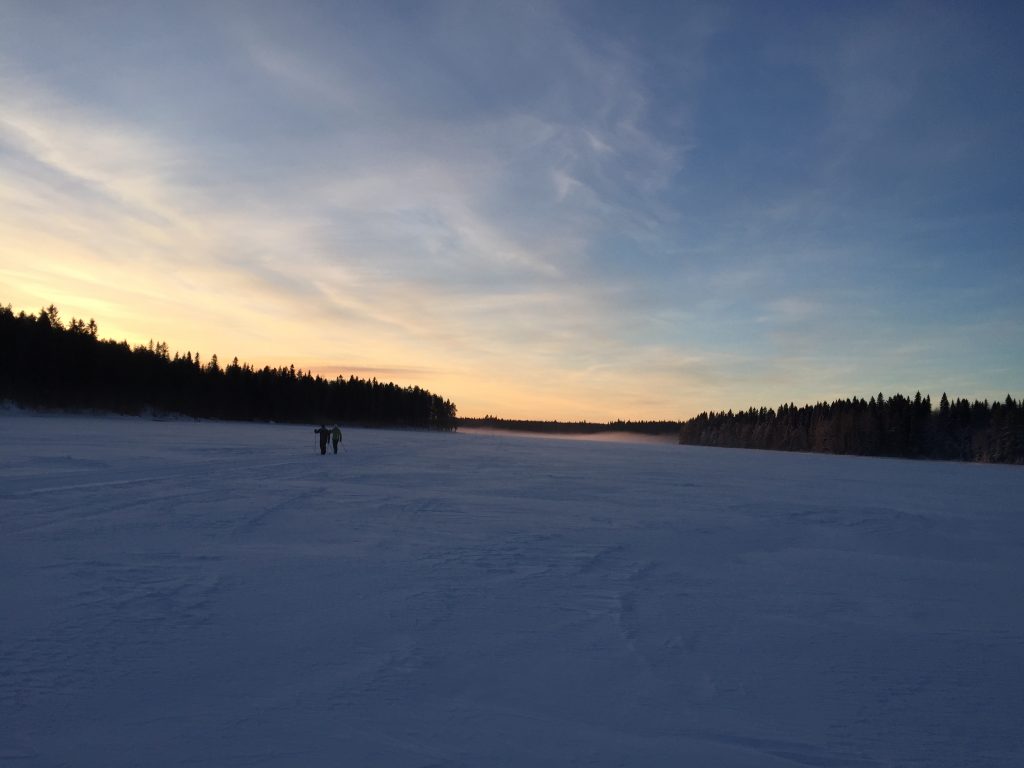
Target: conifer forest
[[882, 426], [45, 363]]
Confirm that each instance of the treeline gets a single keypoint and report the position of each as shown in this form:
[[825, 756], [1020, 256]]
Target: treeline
[[573, 427], [893, 426], [47, 364]]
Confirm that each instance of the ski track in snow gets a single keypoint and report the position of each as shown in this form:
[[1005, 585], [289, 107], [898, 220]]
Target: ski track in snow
[[210, 594]]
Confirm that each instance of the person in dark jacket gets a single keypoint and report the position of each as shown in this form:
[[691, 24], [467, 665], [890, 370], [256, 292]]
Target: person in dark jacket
[[325, 435]]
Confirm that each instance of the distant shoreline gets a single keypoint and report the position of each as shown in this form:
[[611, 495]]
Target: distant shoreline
[[665, 427], [601, 436]]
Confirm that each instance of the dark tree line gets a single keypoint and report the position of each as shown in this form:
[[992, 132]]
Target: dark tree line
[[573, 427], [894, 426], [45, 363]]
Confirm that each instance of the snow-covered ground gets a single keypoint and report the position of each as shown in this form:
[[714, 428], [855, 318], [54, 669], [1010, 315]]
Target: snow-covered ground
[[204, 594]]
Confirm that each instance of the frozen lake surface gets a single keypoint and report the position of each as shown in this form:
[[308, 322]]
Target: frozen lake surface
[[209, 594]]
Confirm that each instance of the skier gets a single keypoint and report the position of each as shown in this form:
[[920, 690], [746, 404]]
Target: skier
[[324, 433], [336, 437]]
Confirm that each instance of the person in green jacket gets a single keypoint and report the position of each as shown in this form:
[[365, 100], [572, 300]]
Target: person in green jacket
[[324, 433], [336, 437]]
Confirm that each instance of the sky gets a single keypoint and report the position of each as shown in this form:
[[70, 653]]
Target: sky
[[570, 211]]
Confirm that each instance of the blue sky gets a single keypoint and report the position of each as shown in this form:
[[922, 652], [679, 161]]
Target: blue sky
[[552, 210]]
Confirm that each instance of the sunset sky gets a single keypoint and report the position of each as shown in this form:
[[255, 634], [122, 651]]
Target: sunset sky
[[570, 210]]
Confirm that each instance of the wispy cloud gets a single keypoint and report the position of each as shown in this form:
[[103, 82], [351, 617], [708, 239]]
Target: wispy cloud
[[579, 209]]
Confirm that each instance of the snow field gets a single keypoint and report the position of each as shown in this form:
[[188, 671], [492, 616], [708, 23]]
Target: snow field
[[211, 594]]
